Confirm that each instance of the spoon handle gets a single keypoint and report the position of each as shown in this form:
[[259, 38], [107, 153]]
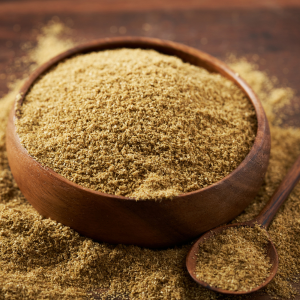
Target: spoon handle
[[280, 195]]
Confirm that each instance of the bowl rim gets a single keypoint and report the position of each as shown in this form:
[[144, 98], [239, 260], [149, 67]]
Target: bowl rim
[[149, 43]]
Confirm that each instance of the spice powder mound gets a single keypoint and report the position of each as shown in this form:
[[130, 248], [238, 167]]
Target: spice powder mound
[[234, 260], [137, 123]]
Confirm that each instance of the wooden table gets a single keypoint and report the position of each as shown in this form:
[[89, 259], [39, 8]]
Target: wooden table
[[268, 28]]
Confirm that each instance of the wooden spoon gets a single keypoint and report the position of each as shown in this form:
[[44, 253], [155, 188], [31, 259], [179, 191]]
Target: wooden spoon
[[264, 219]]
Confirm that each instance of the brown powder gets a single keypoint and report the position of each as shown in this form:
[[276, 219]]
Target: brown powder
[[50, 43], [234, 260], [72, 265], [137, 123]]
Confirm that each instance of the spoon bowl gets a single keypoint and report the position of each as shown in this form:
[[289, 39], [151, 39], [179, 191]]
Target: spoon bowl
[[264, 219], [191, 260]]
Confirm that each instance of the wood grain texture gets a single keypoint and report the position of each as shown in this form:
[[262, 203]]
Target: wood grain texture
[[271, 32], [79, 6], [116, 219]]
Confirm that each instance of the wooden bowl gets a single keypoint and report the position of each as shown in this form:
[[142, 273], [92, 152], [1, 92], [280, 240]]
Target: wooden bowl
[[149, 223]]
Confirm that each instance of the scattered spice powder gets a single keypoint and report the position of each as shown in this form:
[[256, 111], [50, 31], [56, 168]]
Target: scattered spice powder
[[43, 259], [234, 260], [137, 123], [50, 43]]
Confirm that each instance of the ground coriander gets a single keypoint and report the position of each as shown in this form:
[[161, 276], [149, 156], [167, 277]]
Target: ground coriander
[[235, 259], [70, 266], [136, 123]]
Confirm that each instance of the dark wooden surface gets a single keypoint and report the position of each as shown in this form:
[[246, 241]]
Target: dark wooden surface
[[268, 28]]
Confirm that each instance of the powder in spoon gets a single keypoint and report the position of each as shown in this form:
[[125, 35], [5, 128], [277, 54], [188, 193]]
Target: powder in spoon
[[137, 123], [235, 259]]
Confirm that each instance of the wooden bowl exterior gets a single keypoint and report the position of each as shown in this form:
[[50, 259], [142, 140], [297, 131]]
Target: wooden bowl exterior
[[149, 223]]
